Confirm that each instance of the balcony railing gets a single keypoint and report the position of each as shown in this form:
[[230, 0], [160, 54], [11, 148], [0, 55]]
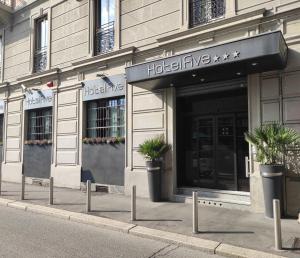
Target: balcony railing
[[105, 38], [7, 2], [205, 11], [40, 60]]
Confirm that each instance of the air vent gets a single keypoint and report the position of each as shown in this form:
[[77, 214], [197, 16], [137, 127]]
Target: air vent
[[102, 188], [37, 181]]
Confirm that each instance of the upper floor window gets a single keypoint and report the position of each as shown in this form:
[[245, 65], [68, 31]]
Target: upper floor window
[[1, 51], [204, 11], [105, 26], [41, 44], [1, 129]]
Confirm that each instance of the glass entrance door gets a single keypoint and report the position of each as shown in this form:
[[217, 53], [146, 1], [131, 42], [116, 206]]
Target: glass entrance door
[[215, 152], [225, 152], [203, 151]]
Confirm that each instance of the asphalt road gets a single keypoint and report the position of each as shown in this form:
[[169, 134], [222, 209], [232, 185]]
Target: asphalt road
[[25, 234]]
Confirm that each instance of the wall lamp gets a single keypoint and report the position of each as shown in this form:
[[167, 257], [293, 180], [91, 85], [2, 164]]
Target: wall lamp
[[102, 75], [30, 91]]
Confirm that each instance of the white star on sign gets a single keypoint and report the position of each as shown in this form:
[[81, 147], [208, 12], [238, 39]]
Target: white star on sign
[[236, 54], [216, 58], [225, 56]]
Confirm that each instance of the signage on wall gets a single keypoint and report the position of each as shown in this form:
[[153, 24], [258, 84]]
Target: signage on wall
[[189, 62], [38, 99], [1, 106], [244, 51], [104, 87]]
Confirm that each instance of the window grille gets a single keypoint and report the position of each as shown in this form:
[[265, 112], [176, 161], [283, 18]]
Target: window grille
[[40, 124], [41, 44], [106, 118], [6, 2], [205, 11], [105, 38]]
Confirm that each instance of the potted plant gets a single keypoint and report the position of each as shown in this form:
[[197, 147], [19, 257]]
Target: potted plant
[[153, 151], [270, 142]]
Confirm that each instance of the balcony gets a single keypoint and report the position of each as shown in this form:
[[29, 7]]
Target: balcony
[[206, 11], [40, 60], [6, 9], [6, 2], [105, 38]]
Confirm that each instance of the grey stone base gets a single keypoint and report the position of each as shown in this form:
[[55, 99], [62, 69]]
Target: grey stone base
[[114, 189], [37, 181]]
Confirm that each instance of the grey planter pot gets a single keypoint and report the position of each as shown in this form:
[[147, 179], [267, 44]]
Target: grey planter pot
[[154, 180], [272, 176]]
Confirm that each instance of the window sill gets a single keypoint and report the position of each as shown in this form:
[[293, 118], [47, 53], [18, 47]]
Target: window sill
[[96, 60], [38, 75], [219, 24], [4, 85]]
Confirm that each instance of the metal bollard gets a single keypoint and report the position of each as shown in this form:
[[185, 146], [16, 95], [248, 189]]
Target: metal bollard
[[133, 203], [277, 224], [51, 190], [88, 195], [23, 188], [195, 212]]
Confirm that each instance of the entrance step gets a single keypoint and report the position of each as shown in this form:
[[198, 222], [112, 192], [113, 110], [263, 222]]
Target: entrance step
[[216, 198]]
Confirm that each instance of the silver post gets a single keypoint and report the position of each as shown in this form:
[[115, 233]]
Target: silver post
[[23, 188], [277, 224], [195, 212], [133, 203], [88, 195], [51, 190]]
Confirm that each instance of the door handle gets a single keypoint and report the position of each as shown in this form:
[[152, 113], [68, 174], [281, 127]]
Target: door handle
[[247, 166]]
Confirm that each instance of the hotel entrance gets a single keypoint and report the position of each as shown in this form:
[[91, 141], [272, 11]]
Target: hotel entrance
[[210, 137], [208, 99]]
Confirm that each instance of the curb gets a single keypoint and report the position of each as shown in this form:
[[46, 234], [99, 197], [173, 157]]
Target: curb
[[208, 246], [204, 245], [235, 251]]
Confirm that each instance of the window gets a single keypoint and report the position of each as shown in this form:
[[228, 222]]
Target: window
[[40, 124], [204, 11], [1, 60], [105, 26], [106, 118], [1, 129], [41, 44]]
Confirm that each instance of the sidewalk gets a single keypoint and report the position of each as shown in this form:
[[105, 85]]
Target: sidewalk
[[235, 227]]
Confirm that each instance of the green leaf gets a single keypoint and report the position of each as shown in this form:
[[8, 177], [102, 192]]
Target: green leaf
[[154, 149], [271, 141]]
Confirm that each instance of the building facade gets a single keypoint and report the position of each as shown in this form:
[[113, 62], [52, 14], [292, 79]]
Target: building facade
[[83, 83]]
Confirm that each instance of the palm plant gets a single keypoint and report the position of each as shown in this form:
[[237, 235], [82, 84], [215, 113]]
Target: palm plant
[[153, 149], [271, 141]]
